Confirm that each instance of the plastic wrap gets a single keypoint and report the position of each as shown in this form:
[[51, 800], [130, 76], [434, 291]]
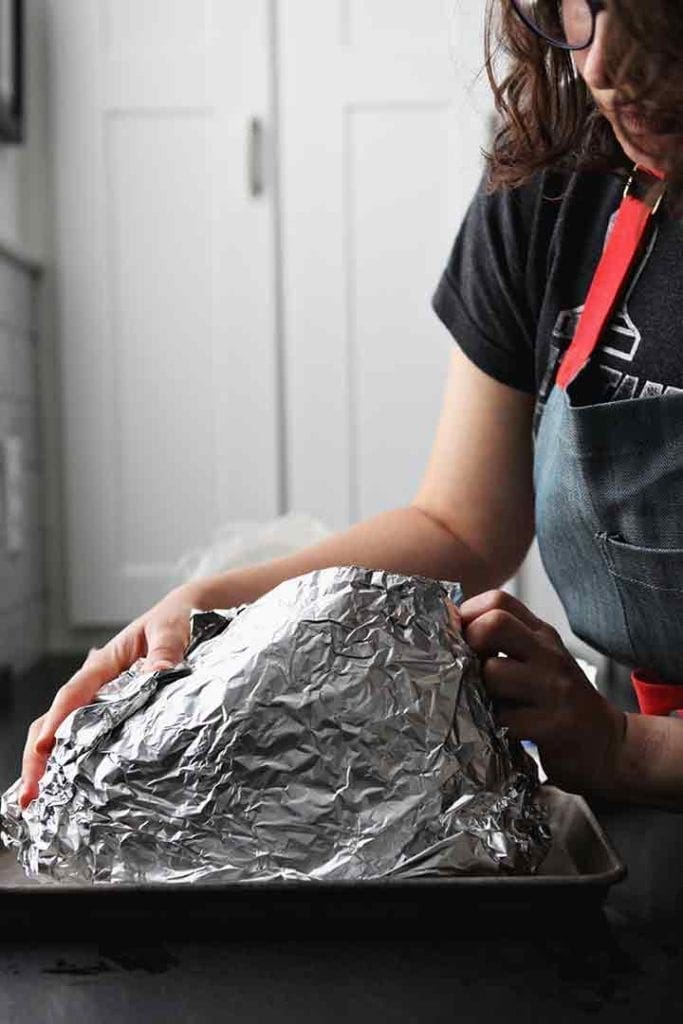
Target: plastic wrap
[[337, 728], [242, 543]]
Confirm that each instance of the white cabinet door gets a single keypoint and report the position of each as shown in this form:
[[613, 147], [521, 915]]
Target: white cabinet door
[[165, 287], [381, 126]]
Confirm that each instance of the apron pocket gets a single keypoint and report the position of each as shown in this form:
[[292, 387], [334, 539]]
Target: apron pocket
[[650, 583], [656, 568]]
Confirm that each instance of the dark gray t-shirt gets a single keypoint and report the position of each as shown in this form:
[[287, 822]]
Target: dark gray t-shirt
[[518, 276]]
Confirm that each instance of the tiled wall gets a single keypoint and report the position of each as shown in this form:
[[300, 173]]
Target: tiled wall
[[22, 585]]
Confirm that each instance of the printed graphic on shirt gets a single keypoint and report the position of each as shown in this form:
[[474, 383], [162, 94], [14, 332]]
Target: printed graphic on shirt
[[618, 348]]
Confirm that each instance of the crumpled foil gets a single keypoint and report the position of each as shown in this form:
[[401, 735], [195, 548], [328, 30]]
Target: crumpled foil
[[335, 729]]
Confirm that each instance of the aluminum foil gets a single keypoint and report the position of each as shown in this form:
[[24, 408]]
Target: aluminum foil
[[335, 729]]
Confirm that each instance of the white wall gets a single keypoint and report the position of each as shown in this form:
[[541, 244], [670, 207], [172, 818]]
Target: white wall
[[23, 169], [26, 230], [23, 244], [10, 195]]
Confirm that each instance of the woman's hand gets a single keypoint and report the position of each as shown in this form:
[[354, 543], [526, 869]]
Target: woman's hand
[[541, 694], [160, 636]]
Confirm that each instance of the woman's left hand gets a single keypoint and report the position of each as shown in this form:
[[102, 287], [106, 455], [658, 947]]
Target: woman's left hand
[[541, 694]]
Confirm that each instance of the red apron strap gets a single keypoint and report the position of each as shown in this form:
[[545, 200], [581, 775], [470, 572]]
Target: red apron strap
[[655, 698], [642, 196]]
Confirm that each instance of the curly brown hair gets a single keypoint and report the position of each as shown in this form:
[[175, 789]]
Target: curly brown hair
[[548, 117]]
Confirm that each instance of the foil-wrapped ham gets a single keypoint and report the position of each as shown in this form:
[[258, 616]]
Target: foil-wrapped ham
[[335, 729]]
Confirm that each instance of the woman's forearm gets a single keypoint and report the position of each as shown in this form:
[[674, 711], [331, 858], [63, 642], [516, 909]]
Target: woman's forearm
[[649, 769], [405, 540]]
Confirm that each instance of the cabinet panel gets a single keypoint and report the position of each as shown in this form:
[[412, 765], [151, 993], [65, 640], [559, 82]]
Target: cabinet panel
[[387, 24], [159, 210], [396, 246], [166, 288], [380, 157], [153, 24]]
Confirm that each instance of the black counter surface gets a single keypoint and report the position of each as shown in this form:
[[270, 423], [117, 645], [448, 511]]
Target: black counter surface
[[621, 964]]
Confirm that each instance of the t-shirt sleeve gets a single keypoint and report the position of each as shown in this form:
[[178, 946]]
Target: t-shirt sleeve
[[485, 297]]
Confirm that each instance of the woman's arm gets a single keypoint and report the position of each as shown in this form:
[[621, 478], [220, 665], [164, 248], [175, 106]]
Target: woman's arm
[[471, 519], [650, 764]]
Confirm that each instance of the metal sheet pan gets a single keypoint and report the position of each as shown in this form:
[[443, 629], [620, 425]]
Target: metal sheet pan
[[574, 879]]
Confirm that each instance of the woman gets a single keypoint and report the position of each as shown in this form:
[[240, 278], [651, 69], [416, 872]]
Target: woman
[[590, 89]]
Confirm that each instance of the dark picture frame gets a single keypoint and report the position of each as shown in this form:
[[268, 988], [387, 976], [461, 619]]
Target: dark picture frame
[[11, 71]]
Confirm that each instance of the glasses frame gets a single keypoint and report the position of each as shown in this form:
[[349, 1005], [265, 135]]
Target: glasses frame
[[596, 7]]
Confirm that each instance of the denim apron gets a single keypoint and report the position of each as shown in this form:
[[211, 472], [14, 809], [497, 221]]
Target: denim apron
[[609, 487], [609, 522]]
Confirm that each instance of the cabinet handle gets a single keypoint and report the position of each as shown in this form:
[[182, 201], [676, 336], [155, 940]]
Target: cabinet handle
[[255, 158]]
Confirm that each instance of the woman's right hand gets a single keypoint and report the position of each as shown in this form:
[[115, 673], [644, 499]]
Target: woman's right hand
[[160, 635]]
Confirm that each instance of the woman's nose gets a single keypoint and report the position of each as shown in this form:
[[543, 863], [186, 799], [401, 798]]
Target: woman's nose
[[594, 69]]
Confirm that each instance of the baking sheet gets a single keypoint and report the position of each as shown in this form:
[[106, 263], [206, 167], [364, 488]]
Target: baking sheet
[[575, 878]]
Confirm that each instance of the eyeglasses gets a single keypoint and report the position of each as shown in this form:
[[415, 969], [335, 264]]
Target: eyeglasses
[[569, 24]]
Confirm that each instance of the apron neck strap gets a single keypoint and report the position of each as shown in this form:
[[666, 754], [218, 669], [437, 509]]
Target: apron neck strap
[[642, 197]]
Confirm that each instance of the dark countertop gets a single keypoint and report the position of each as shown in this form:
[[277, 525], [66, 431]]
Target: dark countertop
[[400, 980], [622, 964]]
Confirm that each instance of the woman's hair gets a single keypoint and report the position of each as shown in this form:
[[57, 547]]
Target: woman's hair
[[547, 115]]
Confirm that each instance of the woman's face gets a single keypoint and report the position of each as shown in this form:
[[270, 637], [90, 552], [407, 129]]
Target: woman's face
[[590, 64]]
